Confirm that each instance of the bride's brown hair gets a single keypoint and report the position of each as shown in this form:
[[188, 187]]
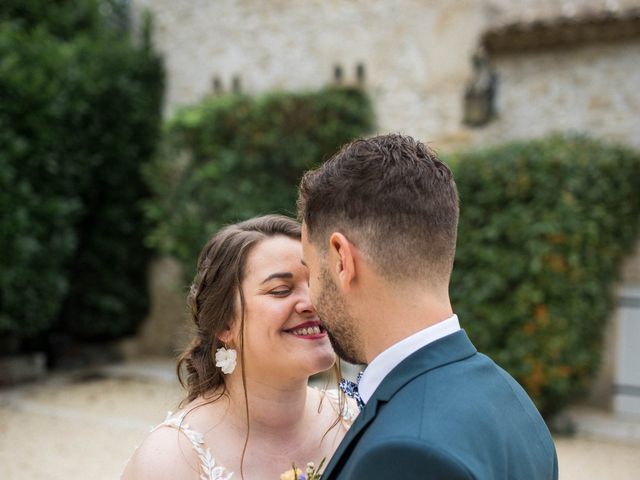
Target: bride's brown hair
[[213, 305]]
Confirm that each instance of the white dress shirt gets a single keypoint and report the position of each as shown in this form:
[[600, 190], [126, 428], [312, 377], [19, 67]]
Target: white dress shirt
[[392, 356]]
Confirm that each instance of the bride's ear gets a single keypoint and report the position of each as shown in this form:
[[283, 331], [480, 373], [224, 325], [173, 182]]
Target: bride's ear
[[226, 336], [342, 260]]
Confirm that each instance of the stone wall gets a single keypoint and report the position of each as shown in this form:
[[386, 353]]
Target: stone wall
[[416, 57], [167, 328], [415, 53], [591, 89]]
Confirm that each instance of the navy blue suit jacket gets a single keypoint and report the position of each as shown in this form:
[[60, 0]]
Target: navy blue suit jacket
[[447, 412]]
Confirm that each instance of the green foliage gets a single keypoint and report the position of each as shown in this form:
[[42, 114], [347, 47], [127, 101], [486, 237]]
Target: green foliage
[[233, 157], [543, 228], [61, 18], [80, 114], [39, 201], [108, 291]]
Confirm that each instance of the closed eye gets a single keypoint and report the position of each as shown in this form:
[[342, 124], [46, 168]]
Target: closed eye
[[280, 292]]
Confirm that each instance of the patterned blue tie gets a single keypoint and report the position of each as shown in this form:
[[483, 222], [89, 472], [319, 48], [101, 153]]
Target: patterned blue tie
[[351, 389]]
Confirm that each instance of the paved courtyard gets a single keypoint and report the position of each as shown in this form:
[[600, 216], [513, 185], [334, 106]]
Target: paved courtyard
[[86, 425]]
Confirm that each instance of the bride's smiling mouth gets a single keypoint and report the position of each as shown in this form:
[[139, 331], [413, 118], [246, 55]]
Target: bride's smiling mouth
[[308, 330]]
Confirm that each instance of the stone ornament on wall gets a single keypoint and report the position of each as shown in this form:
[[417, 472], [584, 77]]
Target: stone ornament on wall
[[479, 96]]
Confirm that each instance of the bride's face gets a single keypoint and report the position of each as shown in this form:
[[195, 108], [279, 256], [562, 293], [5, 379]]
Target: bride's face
[[283, 337]]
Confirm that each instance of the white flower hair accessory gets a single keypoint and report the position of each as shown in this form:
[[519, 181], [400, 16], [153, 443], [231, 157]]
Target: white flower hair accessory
[[226, 359]]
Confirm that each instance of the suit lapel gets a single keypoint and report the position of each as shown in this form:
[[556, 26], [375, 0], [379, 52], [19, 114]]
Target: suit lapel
[[452, 348]]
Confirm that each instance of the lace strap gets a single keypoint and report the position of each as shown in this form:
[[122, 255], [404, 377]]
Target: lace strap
[[207, 463], [349, 410]]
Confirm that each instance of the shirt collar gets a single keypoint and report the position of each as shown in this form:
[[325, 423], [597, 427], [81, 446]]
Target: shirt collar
[[392, 356]]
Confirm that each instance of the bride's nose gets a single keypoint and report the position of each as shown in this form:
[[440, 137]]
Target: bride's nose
[[304, 305]]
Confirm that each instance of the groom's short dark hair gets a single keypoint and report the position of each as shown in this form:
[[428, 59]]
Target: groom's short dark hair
[[394, 198]]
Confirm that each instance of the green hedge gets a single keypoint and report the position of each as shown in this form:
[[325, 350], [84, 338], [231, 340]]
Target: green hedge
[[108, 291], [233, 157], [63, 19], [39, 203], [543, 228], [80, 114]]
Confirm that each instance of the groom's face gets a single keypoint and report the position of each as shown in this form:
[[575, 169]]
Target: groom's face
[[330, 304]]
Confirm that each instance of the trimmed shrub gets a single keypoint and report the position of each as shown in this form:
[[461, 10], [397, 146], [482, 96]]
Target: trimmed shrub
[[234, 157], [62, 19], [108, 294], [80, 114], [39, 201], [543, 228]]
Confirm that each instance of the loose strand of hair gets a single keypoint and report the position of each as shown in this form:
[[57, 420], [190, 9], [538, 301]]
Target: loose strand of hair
[[244, 381], [337, 371]]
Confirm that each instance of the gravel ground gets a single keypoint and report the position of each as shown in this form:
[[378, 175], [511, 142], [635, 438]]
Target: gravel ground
[[87, 426]]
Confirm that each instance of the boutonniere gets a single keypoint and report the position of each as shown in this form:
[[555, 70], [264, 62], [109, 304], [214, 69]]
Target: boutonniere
[[311, 473]]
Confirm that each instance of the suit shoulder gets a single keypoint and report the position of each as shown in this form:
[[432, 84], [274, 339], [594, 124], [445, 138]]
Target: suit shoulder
[[409, 458]]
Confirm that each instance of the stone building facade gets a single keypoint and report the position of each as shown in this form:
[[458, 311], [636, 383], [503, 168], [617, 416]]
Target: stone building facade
[[545, 65], [414, 58], [413, 54], [572, 70]]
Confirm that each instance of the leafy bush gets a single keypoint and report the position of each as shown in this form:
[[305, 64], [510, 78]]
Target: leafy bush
[[39, 203], [543, 228], [80, 114], [233, 157], [63, 19], [108, 276]]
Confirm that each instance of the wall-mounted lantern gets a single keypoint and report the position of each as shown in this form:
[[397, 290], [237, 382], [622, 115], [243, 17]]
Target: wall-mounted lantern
[[360, 74], [479, 96], [217, 85], [337, 74], [236, 85]]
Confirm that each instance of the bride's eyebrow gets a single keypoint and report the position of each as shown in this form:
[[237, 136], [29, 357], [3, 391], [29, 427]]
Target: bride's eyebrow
[[277, 275]]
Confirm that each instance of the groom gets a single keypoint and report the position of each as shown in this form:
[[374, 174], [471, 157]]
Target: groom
[[379, 234]]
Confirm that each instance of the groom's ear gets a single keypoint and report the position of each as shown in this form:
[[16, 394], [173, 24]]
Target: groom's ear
[[342, 260]]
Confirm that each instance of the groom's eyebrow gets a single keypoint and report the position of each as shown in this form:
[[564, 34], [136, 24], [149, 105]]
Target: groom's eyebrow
[[303, 262], [278, 275]]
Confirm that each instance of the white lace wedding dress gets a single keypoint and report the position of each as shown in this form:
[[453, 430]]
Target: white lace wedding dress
[[208, 468]]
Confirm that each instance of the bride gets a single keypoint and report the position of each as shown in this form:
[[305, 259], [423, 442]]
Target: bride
[[248, 412]]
